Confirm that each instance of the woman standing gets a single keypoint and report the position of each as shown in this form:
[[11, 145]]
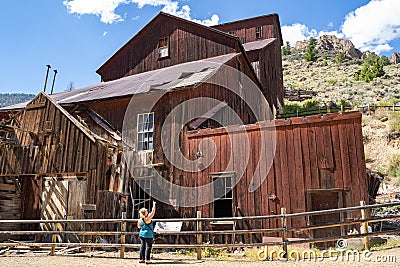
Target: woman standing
[[146, 233]]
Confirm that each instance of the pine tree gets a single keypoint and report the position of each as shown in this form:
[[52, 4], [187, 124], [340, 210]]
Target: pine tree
[[286, 49], [311, 51]]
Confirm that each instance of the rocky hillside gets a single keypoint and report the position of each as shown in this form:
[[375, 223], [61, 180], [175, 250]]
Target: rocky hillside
[[334, 80]]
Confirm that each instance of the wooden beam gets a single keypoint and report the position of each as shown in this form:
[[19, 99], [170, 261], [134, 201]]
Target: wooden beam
[[7, 187], [35, 106]]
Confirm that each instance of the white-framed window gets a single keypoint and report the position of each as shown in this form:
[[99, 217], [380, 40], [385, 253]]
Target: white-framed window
[[141, 197], [223, 197], [163, 47], [259, 34], [145, 131]]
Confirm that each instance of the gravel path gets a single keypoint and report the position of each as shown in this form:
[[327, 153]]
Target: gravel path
[[95, 259]]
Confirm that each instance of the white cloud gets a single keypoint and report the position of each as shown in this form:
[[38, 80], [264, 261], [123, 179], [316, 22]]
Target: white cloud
[[373, 26], [297, 32], [104, 34], [378, 49], [105, 9], [330, 24]]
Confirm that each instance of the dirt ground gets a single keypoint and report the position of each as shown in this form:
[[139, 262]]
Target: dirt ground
[[389, 257]]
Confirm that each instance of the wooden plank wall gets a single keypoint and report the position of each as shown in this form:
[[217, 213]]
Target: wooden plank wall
[[316, 152], [246, 28], [10, 204], [187, 42], [48, 141], [271, 76]]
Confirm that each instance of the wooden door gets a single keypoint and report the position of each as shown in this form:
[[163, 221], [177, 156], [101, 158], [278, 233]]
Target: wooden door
[[324, 200]]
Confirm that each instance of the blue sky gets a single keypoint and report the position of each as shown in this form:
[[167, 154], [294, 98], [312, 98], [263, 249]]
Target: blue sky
[[77, 36]]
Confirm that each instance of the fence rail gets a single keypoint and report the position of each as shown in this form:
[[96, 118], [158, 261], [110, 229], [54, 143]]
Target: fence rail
[[283, 230], [367, 109]]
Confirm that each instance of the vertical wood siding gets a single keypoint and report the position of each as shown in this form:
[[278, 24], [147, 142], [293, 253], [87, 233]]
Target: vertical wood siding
[[311, 153]]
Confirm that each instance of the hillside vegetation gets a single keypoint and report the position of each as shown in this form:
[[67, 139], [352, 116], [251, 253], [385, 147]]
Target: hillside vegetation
[[339, 74], [11, 99]]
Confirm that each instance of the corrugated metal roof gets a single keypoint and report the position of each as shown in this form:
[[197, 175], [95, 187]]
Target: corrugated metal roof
[[178, 76], [257, 44]]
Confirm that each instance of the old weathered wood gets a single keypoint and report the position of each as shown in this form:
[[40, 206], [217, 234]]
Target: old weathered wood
[[296, 167]]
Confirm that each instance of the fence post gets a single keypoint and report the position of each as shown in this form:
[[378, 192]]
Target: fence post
[[365, 224], [123, 229], [53, 240], [341, 108], [284, 232], [199, 236]]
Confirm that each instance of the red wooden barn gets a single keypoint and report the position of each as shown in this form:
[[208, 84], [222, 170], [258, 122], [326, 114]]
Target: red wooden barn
[[168, 63]]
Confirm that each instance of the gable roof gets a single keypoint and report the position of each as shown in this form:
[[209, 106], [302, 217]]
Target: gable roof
[[149, 25]]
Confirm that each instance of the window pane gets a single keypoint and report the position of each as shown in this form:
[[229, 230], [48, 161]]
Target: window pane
[[151, 117], [140, 137], [140, 127], [140, 146], [140, 119], [219, 189], [229, 194]]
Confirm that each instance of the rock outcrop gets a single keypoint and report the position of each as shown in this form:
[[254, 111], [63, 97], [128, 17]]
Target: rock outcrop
[[332, 43], [395, 59]]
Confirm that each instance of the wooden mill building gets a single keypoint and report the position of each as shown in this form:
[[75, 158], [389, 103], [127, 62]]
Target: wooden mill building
[[63, 155]]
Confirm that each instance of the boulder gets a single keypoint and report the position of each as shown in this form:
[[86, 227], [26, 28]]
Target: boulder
[[395, 59], [332, 43]]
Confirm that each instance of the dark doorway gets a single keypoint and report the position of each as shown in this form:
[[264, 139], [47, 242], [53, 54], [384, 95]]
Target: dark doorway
[[325, 200]]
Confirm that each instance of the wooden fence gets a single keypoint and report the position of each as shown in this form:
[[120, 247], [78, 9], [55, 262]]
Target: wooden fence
[[366, 109], [199, 233]]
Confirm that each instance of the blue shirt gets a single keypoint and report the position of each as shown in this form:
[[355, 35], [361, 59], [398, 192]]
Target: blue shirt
[[146, 230]]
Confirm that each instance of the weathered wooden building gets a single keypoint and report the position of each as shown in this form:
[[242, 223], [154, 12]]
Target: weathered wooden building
[[318, 164], [72, 151]]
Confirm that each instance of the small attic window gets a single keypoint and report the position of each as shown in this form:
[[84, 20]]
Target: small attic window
[[163, 47], [259, 34], [232, 33]]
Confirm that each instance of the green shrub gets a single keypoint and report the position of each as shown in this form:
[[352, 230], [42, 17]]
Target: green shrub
[[394, 122], [291, 107], [331, 81], [371, 68], [340, 57], [390, 102], [344, 103], [394, 165], [310, 104]]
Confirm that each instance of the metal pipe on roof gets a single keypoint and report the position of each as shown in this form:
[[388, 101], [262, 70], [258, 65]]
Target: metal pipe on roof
[[47, 75], [54, 79]]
